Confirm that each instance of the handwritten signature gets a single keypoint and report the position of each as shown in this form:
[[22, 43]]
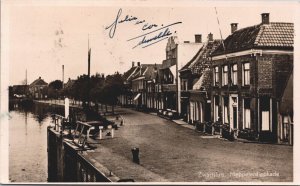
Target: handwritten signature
[[146, 39]]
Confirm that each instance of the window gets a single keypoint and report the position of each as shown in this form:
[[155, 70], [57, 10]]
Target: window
[[184, 85], [225, 108], [234, 74], [247, 114], [246, 74], [225, 75], [216, 75], [216, 109]]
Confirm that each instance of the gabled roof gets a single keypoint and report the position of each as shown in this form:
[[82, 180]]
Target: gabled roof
[[129, 73], [146, 70], [263, 36], [204, 82], [200, 61], [38, 81], [69, 83]]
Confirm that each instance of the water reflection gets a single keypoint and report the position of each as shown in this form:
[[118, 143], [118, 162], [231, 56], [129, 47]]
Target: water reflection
[[28, 141]]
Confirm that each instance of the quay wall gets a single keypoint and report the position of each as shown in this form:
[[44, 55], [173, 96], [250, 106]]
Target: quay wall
[[66, 163]]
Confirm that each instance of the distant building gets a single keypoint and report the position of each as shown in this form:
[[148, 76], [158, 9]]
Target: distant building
[[20, 90], [69, 83], [126, 99], [250, 74], [38, 89], [143, 85]]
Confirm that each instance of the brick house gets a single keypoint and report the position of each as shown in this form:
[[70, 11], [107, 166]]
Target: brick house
[[38, 89], [196, 82], [250, 74]]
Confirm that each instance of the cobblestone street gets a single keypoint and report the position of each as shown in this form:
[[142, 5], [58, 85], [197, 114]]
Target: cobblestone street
[[178, 153]]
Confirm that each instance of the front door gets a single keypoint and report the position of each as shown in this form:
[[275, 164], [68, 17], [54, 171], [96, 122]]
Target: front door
[[233, 111], [234, 117]]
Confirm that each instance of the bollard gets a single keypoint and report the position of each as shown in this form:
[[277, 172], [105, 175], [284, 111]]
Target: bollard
[[212, 129], [135, 155], [100, 132], [112, 133], [67, 108], [88, 132]]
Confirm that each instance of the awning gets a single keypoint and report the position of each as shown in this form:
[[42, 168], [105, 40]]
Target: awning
[[137, 96]]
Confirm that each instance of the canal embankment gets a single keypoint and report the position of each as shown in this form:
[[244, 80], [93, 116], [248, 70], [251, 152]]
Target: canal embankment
[[72, 161]]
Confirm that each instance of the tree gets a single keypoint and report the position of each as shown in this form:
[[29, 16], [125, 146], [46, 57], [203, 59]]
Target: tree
[[57, 84], [113, 87], [54, 89]]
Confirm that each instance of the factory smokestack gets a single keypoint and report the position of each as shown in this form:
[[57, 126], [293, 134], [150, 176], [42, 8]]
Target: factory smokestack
[[63, 73]]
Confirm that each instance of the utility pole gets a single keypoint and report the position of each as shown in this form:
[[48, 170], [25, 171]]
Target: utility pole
[[89, 69], [89, 58]]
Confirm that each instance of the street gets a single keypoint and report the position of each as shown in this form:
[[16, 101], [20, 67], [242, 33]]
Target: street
[[177, 153]]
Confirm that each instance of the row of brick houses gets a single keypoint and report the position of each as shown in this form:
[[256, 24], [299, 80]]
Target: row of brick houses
[[244, 82]]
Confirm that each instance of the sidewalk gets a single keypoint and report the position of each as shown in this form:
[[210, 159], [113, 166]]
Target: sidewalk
[[174, 152]]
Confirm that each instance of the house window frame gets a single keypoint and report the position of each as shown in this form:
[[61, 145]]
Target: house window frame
[[234, 74], [245, 116], [216, 75], [246, 71], [225, 75]]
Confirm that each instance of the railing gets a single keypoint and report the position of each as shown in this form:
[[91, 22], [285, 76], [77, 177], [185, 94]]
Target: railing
[[80, 134], [59, 122]]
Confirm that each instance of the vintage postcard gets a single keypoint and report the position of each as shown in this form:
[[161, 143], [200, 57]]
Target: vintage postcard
[[185, 92]]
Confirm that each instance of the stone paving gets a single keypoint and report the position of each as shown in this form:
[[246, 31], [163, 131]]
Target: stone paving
[[171, 152]]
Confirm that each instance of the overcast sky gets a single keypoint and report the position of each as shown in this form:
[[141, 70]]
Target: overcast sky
[[45, 36]]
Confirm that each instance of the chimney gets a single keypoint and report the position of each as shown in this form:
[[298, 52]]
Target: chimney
[[132, 63], [210, 37], [40, 77], [138, 64], [265, 18], [102, 75], [198, 38], [234, 27]]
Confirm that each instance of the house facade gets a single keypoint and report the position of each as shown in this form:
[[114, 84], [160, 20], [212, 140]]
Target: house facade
[[251, 70], [196, 82], [143, 85], [177, 55], [126, 99], [38, 89]]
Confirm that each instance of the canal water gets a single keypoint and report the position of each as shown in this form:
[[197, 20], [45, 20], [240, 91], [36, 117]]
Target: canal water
[[28, 141]]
